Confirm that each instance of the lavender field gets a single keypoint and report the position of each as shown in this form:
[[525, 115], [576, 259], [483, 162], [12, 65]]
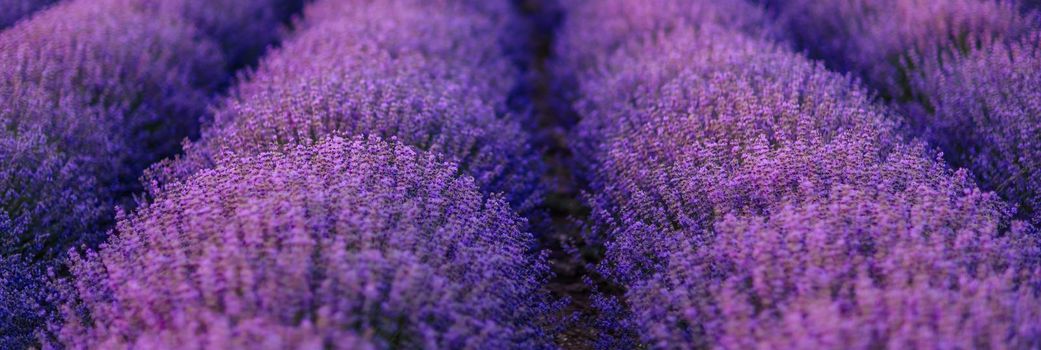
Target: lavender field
[[520, 174]]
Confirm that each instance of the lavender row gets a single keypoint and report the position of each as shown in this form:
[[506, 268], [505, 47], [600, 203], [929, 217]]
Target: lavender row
[[963, 71], [324, 208], [345, 243], [749, 198], [596, 36], [93, 92], [15, 10], [430, 74]]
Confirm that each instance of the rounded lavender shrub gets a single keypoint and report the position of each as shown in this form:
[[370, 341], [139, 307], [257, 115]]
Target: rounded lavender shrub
[[94, 92], [736, 132], [597, 38], [12, 11], [26, 302], [862, 269], [874, 38], [962, 70], [985, 113], [593, 27], [429, 73], [90, 103], [316, 246], [695, 135], [45, 191]]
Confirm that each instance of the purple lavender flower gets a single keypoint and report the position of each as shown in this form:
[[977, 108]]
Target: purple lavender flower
[[15, 10], [344, 240], [431, 74]]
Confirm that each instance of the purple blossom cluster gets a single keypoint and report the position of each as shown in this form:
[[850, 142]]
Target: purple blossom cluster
[[12, 11], [749, 198], [963, 71], [432, 74], [339, 244]]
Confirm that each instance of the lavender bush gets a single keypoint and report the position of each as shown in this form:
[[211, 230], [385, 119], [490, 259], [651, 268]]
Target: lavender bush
[[722, 164], [730, 134], [432, 74], [984, 110], [369, 184], [26, 302], [93, 92], [14, 10], [861, 269], [618, 21], [960, 70], [316, 246], [93, 95], [593, 35], [874, 38], [90, 103]]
